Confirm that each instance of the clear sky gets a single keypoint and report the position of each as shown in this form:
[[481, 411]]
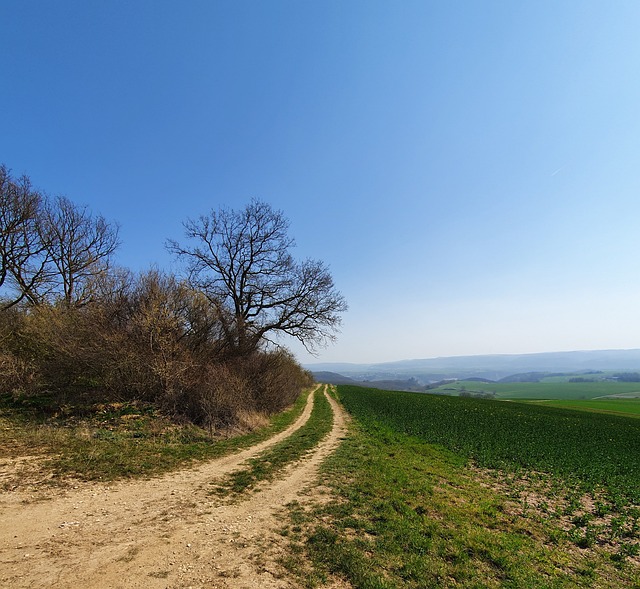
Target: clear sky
[[469, 170]]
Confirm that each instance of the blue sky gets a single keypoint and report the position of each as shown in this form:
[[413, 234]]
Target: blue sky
[[468, 170]]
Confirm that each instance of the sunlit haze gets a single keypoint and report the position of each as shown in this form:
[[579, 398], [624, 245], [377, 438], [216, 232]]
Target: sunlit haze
[[468, 170]]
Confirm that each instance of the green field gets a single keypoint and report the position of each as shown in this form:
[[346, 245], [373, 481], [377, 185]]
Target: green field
[[629, 407], [541, 390], [593, 448]]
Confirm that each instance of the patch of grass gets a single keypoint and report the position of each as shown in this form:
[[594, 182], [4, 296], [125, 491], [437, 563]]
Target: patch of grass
[[131, 553], [270, 462], [408, 514], [159, 574], [112, 441]]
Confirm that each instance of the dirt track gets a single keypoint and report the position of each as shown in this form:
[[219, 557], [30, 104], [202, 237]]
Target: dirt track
[[168, 532]]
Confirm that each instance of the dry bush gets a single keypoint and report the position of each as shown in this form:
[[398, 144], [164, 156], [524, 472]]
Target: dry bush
[[241, 394], [155, 340], [275, 379], [152, 359], [62, 343], [221, 399], [17, 377]]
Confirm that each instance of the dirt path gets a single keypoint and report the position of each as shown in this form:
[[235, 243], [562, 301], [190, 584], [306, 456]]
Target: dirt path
[[168, 532]]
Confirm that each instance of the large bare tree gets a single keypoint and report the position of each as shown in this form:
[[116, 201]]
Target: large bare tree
[[241, 261]]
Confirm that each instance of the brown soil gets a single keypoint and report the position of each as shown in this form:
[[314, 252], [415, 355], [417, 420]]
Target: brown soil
[[168, 532]]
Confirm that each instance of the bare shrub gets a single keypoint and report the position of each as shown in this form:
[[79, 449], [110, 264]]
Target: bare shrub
[[153, 342], [64, 344], [241, 394], [17, 377], [153, 359], [275, 379], [220, 398]]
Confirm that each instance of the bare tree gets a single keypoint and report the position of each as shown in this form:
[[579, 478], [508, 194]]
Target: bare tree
[[50, 249], [23, 256], [79, 247], [241, 261]]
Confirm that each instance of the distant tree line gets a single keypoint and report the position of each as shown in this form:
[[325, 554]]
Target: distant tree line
[[203, 344]]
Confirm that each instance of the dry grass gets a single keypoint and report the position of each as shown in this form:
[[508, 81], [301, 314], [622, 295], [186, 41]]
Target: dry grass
[[108, 441]]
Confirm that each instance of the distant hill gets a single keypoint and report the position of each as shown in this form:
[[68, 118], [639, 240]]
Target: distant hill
[[332, 378], [490, 367], [389, 385]]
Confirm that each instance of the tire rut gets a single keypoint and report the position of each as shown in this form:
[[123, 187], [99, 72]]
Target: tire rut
[[168, 532]]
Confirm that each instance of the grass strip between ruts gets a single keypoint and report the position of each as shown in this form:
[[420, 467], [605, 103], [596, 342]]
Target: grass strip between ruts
[[270, 462]]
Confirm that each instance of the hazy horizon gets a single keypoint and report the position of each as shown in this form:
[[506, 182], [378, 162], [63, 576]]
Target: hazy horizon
[[399, 360], [468, 171]]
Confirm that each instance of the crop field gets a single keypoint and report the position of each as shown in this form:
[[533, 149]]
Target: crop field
[[628, 407], [542, 390], [592, 448]]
